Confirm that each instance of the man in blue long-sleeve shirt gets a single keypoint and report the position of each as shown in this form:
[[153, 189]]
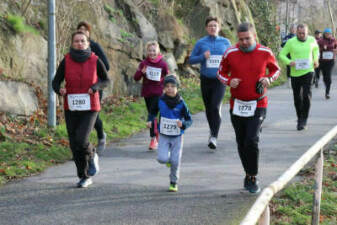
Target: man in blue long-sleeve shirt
[[208, 51]]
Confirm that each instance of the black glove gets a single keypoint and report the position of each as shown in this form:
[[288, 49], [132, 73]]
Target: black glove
[[259, 88]]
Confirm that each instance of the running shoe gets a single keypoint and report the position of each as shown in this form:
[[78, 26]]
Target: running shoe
[[153, 144], [253, 185], [168, 164], [212, 142], [173, 187], [101, 145], [93, 165], [84, 182], [327, 96]]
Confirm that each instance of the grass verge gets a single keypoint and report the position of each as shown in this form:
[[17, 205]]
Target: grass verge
[[293, 205]]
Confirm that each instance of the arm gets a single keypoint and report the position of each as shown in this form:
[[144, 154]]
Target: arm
[[224, 69], [103, 80], [166, 69], [315, 53], [97, 49], [187, 117], [283, 54], [273, 68], [59, 77], [139, 74], [196, 56]]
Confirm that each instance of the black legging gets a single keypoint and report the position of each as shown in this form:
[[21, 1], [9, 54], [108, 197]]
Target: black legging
[[326, 67], [247, 132], [212, 91], [99, 123], [150, 101], [302, 94], [79, 126]]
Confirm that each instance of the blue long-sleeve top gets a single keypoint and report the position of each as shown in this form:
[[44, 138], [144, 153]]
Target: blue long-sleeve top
[[180, 111], [217, 45]]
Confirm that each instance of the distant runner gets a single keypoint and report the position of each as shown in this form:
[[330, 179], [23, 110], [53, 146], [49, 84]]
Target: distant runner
[[328, 49], [208, 52], [303, 50]]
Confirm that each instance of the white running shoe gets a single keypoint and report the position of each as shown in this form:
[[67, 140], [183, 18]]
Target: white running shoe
[[212, 143], [85, 182]]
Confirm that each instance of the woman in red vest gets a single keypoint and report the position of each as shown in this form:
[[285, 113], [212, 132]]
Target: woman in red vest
[[84, 75]]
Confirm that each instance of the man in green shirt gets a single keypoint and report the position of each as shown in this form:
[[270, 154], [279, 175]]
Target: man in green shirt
[[304, 51]]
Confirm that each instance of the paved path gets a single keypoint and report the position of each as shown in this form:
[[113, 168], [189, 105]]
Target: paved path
[[131, 189]]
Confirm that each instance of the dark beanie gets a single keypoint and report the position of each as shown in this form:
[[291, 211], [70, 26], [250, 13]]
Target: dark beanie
[[171, 79]]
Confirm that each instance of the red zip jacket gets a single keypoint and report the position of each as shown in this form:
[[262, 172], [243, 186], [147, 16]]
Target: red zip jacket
[[80, 77], [152, 88], [327, 45], [249, 67]]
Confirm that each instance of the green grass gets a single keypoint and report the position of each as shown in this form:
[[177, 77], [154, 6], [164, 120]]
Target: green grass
[[21, 159], [19, 26], [294, 204]]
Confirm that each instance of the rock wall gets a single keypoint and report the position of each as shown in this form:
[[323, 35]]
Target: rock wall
[[121, 27]]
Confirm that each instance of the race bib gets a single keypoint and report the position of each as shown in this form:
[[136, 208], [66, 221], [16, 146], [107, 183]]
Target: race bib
[[327, 55], [302, 64], [79, 102], [244, 108], [169, 127], [153, 73], [213, 61]]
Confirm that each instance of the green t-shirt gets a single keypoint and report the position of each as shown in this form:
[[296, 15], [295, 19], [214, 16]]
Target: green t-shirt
[[303, 53]]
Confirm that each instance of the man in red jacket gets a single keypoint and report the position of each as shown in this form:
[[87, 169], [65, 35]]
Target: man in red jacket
[[244, 68]]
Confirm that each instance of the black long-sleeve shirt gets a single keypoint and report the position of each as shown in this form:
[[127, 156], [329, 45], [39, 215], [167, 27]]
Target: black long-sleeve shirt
[[102, 74], [97, 49]]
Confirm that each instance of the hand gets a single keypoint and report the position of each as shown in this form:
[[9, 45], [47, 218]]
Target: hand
[[207, 54], [265, 81], [179, 123], [234, 82], [90, 91], [63, 91], [149, 124], [144, 69], [293, 63], [316, 64]]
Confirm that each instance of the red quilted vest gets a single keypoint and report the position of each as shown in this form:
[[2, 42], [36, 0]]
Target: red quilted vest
[[79, 77]]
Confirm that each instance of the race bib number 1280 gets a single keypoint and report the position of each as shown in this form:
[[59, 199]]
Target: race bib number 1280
[[79, 102]]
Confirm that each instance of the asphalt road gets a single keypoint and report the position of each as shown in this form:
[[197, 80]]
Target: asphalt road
[[132, 187]]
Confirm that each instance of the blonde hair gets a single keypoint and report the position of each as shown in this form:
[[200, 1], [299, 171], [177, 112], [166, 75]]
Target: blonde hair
[[155, 43]]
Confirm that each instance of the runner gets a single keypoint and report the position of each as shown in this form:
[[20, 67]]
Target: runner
[[152, 70], [208, 52], [81, 102], [175, 118], [318, 36], [303, 50], [328, 49], [97, 49], [292, 33], [243, 68]]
